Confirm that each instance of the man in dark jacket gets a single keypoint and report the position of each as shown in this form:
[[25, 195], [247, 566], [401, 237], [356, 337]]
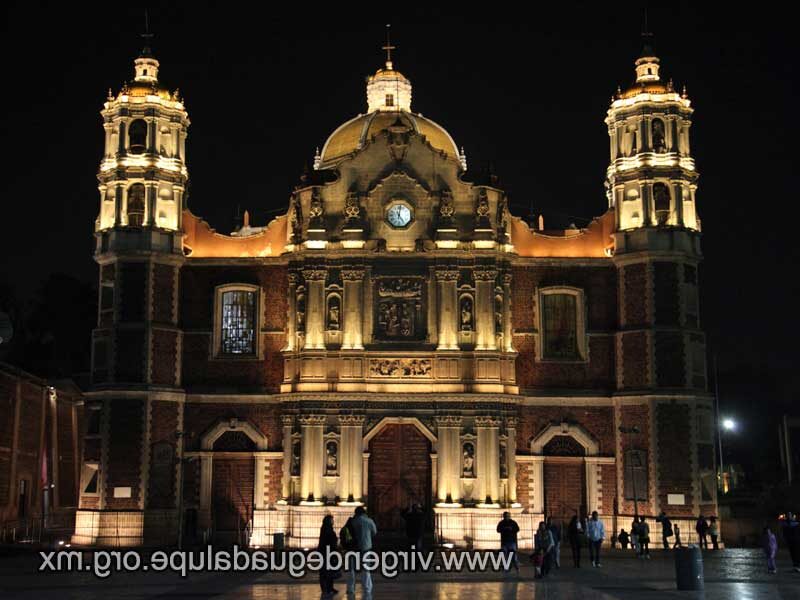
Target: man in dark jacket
[[666, 529], [415, 525], [791, 535], [508, 530]]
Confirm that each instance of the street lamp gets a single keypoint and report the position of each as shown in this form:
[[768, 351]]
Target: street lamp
[[633, 458], [730, 425]]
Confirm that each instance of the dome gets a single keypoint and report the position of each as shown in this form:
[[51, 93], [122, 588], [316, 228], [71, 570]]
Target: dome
[[356, 132], [646, 87]]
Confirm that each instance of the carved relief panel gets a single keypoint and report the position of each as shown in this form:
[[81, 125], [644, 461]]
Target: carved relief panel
[[399, 306]]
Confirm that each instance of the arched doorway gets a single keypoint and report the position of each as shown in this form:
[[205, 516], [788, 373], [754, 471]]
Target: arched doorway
[[399, 473], [233, 487], [564, 478]]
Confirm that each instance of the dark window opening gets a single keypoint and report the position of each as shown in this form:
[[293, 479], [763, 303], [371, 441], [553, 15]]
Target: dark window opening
[[238, 322], [560, 326], [137, 136]]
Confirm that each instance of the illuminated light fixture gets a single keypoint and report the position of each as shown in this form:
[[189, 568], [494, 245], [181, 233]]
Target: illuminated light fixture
[[728, 424], [448, 545], [316, 244], [483, 244], [447, 244], [609, 252], [353, 244]]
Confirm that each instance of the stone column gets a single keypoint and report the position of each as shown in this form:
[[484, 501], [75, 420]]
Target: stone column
[[647, 196], [119, 203], [592, 471], [677, 196], [484, 309], [152, 124], [449, 463], [286, 479], [538, 484], [315, 309], [177, 198], [176, 152], [511, 458], [674, 145], [123, 142], [448, 309], [206, 473], [311, 456], [353, 310], [508, 333], [488, 472], [291, 317], [350, 457], [150, 203]]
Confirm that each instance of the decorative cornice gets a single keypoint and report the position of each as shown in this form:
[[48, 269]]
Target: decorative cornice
[[287, 420], [511, 422], [315, 274], [447, 274], [352, 274], [448, 420], [484, 274], [312, 420], [486, 421], [352, 420]]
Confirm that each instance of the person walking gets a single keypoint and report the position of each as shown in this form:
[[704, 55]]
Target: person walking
[[713, 532], [363, 531], [624, 539], [702, 532], [508, 530], [644, 538], [543, 542], [770, 545], [576, 530], [791, 536], [327, 542], [555, 530], [678, 543], [596, 533], [635, 535], [666, 529], [415, 525]]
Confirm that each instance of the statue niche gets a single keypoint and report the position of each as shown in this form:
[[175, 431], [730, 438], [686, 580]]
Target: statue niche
[[399, 314], [466, 314]]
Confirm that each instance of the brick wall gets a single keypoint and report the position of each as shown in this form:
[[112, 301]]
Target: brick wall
[[634, 360], [163, 425], [670, 359], [635, 294], [673, 431], [165, 355], [598, 421], [667, 293], [200, 371], [630, 416], [199, 418], [124, 452], [163, 293], [129, 356]]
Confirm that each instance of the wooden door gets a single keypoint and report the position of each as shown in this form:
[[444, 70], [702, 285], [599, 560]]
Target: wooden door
[[564, 488], [232, 497], [399, 474]]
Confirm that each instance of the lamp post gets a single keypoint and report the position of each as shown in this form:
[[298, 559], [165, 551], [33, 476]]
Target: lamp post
[[633, 430]]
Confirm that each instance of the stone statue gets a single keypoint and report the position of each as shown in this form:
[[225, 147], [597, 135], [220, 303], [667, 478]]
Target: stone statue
[[333, 314], [331, 458], [466, 314], [468, 461]]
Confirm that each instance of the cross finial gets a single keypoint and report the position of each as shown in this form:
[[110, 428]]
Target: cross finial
[[146, 36], [388, 46]]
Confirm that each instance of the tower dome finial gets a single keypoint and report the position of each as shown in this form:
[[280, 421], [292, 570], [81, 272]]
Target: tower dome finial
[[146, 65], [388, 47]]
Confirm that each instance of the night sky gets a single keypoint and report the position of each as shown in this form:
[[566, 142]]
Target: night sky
[[263, 92]]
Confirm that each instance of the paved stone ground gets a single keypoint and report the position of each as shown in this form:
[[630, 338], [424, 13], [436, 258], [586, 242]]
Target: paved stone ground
[[732, 574]]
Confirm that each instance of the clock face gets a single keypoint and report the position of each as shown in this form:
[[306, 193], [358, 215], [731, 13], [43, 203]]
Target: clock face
[[398, 215]]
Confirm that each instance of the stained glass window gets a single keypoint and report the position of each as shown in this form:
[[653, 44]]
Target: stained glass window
[[238, 322], [560, 326]]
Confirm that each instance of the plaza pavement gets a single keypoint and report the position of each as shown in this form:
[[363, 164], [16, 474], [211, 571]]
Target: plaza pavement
[[732, 574]]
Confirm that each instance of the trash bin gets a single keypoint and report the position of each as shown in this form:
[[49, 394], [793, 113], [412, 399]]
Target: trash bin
[[689, 568], [277, 541]]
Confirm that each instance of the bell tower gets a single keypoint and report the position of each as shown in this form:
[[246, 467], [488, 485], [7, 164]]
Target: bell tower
[[142, 182], [651, 177], [651, 184]]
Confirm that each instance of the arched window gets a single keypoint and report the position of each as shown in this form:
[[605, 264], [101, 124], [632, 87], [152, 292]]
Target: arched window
[[661, 202], [559, 317], [236, 321], [136, 205], [561, 321], [659, 139], [137, 136]]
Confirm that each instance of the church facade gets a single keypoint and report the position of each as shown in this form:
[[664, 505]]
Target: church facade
[[397, 336]]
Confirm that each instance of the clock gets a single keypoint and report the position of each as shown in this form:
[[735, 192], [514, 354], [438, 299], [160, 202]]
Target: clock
[[398, 215]]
